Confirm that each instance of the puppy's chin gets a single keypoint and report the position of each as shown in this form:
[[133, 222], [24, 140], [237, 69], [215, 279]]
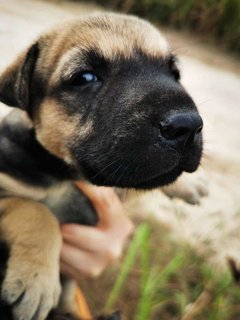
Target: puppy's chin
[[166, 178], [159, 181], [142, 179], [137, 182]]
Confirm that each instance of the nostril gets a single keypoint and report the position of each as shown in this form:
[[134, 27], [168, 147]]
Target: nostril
[[199, 129], [173, 131], [175, 134], [181, 127]]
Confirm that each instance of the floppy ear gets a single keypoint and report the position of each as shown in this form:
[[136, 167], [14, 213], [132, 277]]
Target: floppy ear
[[15, 82]]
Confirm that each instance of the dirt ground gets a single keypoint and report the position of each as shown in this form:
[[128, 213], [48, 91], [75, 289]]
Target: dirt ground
[[213, 80]]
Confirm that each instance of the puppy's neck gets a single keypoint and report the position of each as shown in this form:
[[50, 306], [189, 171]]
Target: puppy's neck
[[22, 156]]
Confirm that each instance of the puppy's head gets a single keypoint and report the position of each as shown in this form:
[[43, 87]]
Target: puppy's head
[[104, 95]]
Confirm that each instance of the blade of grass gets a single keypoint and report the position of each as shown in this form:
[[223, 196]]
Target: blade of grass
[[141, 234], [153, 283], [172, 267], [145, 251], [144, 302]]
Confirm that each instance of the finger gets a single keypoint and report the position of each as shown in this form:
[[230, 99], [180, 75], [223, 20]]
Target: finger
[[91, 191], [73, 273], [82, 261], [83, 237], [91, 238], [107, 243], [109, 207], [103, 198]]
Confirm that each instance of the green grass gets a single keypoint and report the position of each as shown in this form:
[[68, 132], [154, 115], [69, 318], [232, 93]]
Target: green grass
[[159, 279], [140, 241]]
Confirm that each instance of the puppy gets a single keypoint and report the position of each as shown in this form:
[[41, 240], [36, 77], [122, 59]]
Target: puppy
[[98, 99]]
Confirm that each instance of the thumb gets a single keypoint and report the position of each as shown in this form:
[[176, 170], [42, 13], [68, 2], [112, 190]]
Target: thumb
[[104, 200]]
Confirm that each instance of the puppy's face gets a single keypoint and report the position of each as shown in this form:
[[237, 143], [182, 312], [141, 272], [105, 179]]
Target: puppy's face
[[104, 95]]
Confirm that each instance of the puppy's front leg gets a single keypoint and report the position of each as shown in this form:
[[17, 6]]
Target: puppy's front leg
[[31, 284]]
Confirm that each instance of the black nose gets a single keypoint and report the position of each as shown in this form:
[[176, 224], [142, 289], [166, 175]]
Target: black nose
[[182, 128]]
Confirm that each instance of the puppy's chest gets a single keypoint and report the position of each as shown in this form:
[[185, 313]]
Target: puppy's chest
[[70, 205]]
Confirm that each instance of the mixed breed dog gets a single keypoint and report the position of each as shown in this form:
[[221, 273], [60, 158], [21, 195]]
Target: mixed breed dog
[[99, 99]]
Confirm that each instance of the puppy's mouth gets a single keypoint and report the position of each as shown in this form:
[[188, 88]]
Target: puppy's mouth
[[160, 180], [132, 181], [138, 179], [148, 170]]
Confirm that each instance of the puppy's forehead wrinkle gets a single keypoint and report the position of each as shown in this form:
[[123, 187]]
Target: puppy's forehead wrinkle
[[71, 61], [78, 60]]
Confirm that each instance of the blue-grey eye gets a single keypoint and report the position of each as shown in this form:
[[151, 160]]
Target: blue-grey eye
[[83, 78]]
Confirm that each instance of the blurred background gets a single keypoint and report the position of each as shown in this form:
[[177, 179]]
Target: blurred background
[[218, 21], [183, 260]]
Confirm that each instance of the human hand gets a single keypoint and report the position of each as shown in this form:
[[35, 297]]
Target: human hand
[[89, 250]]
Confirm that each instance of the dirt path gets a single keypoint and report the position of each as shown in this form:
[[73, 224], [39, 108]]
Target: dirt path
[[215, 222]]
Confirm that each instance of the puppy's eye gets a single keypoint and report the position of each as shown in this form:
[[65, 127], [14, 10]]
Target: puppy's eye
[[175, 72], [173, 68], [83, 78]]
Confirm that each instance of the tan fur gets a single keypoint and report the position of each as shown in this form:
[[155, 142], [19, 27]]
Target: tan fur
[[18, 188], [18, 211], [59, 129], [33, 265]]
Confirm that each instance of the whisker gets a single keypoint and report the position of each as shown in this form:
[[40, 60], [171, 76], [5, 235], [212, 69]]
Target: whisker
[[202, 102], [113, 174], [119, 178], [107, 166]]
